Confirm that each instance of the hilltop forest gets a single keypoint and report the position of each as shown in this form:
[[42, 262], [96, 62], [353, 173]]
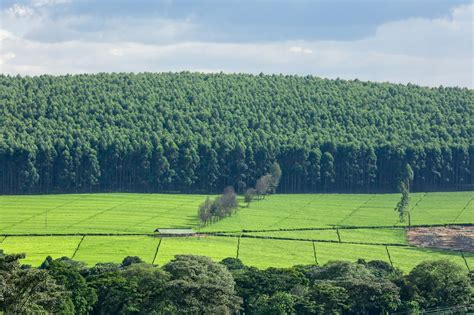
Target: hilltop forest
[[194, 132]]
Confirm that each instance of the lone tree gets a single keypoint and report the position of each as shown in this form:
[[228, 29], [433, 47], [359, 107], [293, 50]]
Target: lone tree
[[403, 206], [407, 176]]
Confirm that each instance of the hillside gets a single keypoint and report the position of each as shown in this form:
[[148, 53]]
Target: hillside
[[198, 133]]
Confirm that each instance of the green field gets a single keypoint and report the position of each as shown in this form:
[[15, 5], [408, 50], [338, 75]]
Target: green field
[[274, 217], [96, 213]]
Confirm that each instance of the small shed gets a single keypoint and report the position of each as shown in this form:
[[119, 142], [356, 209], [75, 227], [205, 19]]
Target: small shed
[[175, 232]]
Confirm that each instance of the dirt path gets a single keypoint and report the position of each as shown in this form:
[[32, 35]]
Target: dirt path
[[453, 237]]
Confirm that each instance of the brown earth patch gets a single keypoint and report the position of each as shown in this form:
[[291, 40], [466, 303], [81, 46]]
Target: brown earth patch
[[453, 237]]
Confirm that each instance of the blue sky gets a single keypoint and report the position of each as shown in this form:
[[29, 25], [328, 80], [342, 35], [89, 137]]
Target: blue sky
[[426, 42]]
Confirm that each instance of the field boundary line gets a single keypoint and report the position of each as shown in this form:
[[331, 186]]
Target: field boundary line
[[356, 209], [338, 235], [465, 261], [315, 256], [156, 251], [230, 233], [389, 257], [78, 234], [312, 240], [77, 248], [462, 210], [3, 239], [238, 247], [343, 227]]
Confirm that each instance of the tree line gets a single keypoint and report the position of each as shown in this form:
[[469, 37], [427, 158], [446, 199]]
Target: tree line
[[219, 208], [197, 285], [212, 210], [194, 132]]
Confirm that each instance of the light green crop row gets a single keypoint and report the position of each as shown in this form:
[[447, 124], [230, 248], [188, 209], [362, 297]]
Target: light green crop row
[[261, 253]]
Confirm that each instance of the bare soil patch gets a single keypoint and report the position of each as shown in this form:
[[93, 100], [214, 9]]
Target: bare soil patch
[[453, 237]]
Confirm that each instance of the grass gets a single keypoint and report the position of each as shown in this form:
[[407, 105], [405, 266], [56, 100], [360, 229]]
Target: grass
[[329, 235], [406, 258], [271, 253], [38, 248], [97, 213], [383, 235], [96, 249], [327, 252], [316, 210], [217, 248], [261, 253], [122, 213]]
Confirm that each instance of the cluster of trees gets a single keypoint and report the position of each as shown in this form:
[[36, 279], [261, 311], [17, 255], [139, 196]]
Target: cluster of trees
[[342, 287], [197, 285], [201, 132], [186, 285], [267, 184], [216, 209]]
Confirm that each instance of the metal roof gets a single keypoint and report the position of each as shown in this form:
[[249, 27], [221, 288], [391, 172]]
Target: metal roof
[[175, 231]]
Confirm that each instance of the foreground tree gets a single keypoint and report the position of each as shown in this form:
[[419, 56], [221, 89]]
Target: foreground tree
[[67, 273], [197, 285], [200, 286], [281, 303], [325, 298], [30, 290], [368, 289], [440, 284]]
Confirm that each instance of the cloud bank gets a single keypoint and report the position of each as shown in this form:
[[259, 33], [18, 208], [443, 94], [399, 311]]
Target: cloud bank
[[423, 51]]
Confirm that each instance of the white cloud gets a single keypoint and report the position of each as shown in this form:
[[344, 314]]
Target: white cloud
[[4, 35], [19, 11], [6, 57], [299, 49], [424, 51], [43, 3], [116, 52]]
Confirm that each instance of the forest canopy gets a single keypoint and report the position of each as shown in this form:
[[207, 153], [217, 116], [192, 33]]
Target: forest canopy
[[196, 132]]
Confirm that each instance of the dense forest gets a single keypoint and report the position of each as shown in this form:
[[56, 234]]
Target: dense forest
[[198, 285], [195, 132]]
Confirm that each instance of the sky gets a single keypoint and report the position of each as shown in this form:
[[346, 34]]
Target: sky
[[424, 42]]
